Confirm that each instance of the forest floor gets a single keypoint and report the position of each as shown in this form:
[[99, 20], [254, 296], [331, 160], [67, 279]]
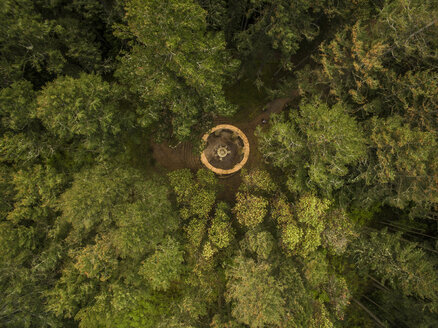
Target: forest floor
[[183, 156]]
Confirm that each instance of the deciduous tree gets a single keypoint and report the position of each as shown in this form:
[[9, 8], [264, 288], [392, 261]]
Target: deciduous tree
[[250, 210], [164, 266], [398, 263], [316, 146], [255, 294], [176, 67]]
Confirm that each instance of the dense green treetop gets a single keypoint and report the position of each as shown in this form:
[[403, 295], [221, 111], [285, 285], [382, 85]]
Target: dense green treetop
[[23, 140], [40, 38], [250, 210], [164, 266], [405, 168], [283, 23], [316, 145], [399, 263], [256, 294], [196, 197], [112, 219], [26, 40], [176, 66], [84, 110]]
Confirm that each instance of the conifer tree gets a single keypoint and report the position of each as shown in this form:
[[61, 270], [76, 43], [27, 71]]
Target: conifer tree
[[399, 264]]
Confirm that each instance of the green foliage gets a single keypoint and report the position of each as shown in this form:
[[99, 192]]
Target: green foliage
[[17, 243], [291, 235], [384, 67], [202, 202], [27, 147], [299, 309], [406, 163], [221, 233], [132, 308], [41, 38], [26, 259], [36, 192], [84, 108], [321, 319], [117, 218], [206, 178], [310, 223], [339, 231], [331, 289], [164, 266], [310, 213], [399, 263], [182, 184], [195, 231], [104, 196], [97, 261], [301, 226], [418, 99], [418, 17], [218, 322], [399, 309], [358, 63], [216, 13], [208, 251], [17, 106], [316, 146], [258, 181], [142, 310], [26, 40], [23, 141], [259, 242], [91, 237], [195, 197], [175, 67], [278, 25], [310, 210], [281, 211], [22, 303], [250, 210], [255, 294]]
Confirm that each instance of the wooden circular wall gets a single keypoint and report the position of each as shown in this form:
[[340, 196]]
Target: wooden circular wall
[[239, 165]]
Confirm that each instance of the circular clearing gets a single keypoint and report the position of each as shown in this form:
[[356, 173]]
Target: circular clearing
[[226, 150]]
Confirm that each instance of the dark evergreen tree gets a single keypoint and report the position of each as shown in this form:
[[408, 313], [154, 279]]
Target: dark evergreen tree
[[399, 264]]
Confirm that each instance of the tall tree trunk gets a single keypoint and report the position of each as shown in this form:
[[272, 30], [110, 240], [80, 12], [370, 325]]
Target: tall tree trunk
[[374, 317]]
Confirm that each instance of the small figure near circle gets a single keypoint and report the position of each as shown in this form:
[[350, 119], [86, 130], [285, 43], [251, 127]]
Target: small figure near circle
[[264, 121], [222, 151]]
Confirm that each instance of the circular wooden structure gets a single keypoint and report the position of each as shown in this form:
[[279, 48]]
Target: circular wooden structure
[[226, 150]]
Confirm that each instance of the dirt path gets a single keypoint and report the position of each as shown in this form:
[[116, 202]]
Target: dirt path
[[183, 156]]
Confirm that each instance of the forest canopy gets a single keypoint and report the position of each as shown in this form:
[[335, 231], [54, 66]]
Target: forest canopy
[[108, 219]]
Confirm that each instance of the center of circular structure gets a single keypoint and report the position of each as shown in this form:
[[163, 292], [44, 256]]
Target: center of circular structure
[[222, 151]]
